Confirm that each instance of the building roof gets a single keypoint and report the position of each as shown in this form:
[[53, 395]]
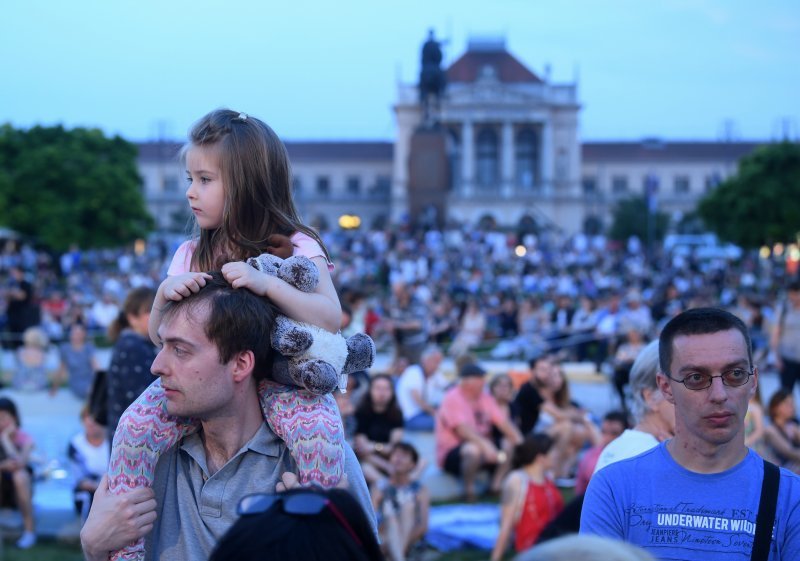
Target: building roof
[[324, 150], [657, 150], [158, 151], [493, 54], [378, 150]]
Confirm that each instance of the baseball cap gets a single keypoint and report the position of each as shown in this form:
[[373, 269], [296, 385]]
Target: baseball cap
[[470, 370]]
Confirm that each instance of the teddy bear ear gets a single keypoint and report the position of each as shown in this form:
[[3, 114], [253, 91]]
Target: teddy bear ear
[[280, 246]]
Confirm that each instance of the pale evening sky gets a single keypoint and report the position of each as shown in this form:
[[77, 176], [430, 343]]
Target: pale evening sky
[[678, 69]]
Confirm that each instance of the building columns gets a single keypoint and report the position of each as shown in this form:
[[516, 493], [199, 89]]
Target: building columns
[[507, 160], [547, 158], [468, 158]]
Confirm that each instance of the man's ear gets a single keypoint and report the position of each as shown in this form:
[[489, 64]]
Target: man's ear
[[754, 387], [243, 364], [664, 386]]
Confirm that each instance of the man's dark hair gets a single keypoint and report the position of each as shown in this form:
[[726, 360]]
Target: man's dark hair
[[237, 320], [699, 321]]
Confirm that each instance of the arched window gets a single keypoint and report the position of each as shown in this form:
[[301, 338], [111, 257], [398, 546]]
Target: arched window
[[454, 158], [527, 159], [487, 168]]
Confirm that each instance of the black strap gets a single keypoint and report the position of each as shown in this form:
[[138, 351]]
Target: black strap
[[766, 512]]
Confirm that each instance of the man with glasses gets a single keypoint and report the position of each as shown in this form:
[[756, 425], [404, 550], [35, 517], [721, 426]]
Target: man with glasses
[[215, 348], [697, 495]]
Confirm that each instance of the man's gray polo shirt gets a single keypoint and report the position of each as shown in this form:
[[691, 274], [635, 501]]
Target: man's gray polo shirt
[[195, 510]]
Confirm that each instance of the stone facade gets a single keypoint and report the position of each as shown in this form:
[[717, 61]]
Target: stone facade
[[513, 150]]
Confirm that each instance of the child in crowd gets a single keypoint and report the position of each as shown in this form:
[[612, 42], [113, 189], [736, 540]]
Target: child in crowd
[[16, 486], [241, 198], [88, 452], [402, 503]]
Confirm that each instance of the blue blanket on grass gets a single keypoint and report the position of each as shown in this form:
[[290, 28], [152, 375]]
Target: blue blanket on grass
[[460, 526]]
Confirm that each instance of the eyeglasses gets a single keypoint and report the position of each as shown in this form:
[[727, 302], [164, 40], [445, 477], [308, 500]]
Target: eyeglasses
[[299, 504], [700, 381]]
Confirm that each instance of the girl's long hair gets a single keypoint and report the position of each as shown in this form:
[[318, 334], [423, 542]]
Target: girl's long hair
[[257, 187]]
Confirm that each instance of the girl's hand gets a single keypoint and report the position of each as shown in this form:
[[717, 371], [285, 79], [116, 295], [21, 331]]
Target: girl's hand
[[241, 275], [178, 287]]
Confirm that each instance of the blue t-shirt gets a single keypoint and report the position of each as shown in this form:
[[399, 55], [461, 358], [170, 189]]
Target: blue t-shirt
[[653, 502]]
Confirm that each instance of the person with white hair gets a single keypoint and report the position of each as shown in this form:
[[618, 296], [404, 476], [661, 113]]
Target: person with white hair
[[654, 415]]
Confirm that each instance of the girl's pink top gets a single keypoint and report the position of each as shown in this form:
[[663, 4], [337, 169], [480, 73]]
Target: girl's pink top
[[303, 245]]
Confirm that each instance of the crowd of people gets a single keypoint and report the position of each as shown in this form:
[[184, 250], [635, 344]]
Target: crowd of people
[[195, 458]]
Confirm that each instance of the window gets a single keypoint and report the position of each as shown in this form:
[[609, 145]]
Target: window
[[682, 185], [589, 184], [353, 185], [171, 184], [486, 170], [382, 187], [649, 184], [323, 185], [619, 185], [712, 181], [526, 155]]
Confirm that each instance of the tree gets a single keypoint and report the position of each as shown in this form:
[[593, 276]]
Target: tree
[[63, 186], [760, 205], [632, 217]]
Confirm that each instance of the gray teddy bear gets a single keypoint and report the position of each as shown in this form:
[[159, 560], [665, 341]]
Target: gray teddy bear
[[315, 359]]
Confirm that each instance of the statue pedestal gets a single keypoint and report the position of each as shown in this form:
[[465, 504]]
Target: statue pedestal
[[428, 178]]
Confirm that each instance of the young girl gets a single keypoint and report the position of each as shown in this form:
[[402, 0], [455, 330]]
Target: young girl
[[240, 195]]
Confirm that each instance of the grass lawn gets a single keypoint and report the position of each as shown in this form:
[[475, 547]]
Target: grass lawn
[[44, 550]]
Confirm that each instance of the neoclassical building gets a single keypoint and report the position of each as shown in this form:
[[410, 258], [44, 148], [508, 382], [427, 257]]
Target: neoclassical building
[[512, 153]]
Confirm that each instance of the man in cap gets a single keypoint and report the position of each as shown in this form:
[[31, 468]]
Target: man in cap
[[464, 424]]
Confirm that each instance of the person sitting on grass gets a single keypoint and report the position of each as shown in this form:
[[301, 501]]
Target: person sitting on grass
[[530, 499], [463, 432], [402, 504], [16, 487]]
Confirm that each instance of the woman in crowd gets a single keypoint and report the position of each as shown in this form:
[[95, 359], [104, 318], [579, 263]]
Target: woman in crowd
[[529, 498], [471, 328], [379, 425], [132, 355], [78, 363], [501, 388], [33, 370], [565, 421], [783, 433]]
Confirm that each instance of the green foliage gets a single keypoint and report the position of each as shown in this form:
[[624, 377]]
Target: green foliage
[[631, 217], [761, 203], [63, 186]]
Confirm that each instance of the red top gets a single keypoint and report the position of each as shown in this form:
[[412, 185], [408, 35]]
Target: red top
[[543, 502]]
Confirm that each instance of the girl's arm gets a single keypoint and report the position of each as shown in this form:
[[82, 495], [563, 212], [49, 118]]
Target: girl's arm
[[175, 287], [508, 514], [320, 308]]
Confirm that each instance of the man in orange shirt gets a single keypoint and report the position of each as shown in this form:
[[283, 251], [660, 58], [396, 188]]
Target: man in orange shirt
[[463, 432]]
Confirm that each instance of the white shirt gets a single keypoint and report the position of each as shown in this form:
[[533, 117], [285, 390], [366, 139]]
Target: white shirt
[[412, 378], [627, 445]]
